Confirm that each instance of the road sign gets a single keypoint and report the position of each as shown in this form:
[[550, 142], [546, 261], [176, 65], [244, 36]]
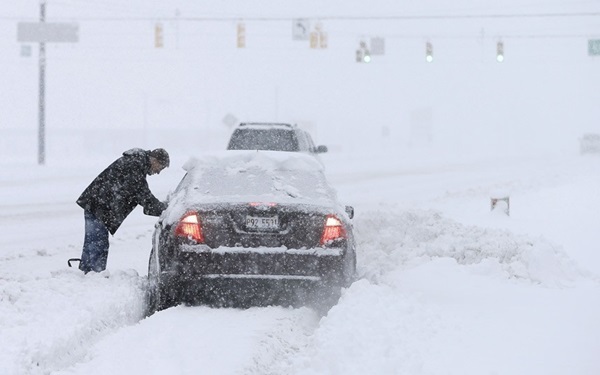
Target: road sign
[[594, 47], [300, 29], [43, 32]]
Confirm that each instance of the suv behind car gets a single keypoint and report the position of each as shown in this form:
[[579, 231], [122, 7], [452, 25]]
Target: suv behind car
[[273, 137], [589, 143]]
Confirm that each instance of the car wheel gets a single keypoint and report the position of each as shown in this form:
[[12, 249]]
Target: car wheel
[[349, 275], [161, 292]]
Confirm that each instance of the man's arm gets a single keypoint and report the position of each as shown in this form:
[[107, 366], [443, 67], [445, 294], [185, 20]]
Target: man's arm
[[152, 206]]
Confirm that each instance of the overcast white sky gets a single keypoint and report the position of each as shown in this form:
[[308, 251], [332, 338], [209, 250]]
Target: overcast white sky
[[540, 99]]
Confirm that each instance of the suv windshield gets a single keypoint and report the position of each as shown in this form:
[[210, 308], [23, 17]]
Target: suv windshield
[[263, 139]]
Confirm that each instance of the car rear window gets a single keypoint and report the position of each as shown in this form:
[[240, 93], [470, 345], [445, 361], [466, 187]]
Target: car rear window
[[286, 185], [263, 139], [251, 176]]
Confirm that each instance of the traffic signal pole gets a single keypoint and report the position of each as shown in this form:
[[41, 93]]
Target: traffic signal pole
[[45, 32], [42, 93]]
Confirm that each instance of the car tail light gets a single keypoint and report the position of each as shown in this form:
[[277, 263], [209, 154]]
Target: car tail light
[[332, 230], [190, 226]]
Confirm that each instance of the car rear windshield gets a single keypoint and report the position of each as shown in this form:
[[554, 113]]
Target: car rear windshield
[[222, 185], [263, 139], [234, 177]]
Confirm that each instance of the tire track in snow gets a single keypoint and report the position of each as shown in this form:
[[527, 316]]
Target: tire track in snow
[[200, 339]]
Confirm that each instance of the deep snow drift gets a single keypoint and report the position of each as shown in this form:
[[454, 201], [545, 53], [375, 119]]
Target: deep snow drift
[[446, 285]]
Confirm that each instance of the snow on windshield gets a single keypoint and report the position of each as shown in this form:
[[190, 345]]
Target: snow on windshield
[[251, 176]]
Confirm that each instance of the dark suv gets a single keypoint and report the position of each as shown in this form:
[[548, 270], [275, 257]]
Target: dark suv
[[273, 137]]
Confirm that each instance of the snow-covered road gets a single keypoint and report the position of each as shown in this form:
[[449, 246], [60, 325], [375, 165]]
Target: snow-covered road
[[446, 286]]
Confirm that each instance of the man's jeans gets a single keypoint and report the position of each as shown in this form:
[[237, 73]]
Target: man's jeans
[[95, 245]]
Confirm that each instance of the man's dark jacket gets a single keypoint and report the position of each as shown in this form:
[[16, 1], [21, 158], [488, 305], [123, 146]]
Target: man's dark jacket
[[119, 189]]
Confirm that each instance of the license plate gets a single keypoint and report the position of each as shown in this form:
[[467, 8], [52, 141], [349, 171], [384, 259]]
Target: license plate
[[262, 222]]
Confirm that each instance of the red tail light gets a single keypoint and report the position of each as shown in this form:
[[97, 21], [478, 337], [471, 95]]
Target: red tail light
[[190, 226], [332, 230]]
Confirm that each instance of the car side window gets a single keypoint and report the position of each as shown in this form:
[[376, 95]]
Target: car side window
[[311, 144], [297, 141], [304, 141]]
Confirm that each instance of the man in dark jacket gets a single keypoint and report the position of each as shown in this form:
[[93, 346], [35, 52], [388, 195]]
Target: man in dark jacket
[[111, 197]]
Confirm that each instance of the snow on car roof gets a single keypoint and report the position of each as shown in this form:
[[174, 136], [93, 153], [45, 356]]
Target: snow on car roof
[[267, 160], [251, 176], [263, 125]]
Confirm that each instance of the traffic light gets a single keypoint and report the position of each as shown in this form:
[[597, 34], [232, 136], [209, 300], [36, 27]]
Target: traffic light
[[314, 39], [429, 52], [241, 35], [500, 51], [322, 39], [362, 53], [317, 37], [359, 56], [158, 36]]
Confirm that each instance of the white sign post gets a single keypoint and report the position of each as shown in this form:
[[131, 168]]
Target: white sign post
[[42, 33]]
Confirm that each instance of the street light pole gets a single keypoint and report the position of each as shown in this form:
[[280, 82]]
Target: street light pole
[[42, 96]]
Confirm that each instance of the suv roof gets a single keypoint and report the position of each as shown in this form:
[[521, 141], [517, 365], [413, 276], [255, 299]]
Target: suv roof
[[263, 125], [274, 136]]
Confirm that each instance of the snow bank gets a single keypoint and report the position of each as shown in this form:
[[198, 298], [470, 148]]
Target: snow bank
[[433, 298], [392, 241], [372, 330], [51, 322]]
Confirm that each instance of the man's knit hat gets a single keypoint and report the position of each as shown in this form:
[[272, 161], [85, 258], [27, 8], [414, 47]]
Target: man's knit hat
[[161, 155]]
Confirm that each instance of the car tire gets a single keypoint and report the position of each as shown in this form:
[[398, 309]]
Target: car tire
[[162, 290], [349, 272]]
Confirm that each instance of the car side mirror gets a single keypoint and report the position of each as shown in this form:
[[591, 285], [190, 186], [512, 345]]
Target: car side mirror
[[321, 149], [350, 211]]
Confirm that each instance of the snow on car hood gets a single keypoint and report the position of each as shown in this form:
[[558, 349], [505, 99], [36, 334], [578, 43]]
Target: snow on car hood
[[251, 176]]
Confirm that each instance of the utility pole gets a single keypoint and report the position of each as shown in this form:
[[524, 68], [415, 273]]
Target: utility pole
[[45, 32], [42, 94]]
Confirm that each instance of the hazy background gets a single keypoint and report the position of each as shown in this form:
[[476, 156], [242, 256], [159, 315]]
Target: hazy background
[[447, 286], [114, 90]]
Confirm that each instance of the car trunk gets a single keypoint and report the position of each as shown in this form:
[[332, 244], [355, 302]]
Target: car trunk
[[262, 225]]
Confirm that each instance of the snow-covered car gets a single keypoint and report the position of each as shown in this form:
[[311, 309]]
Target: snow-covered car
[[274, 137], [252, 228], [589, 143]]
